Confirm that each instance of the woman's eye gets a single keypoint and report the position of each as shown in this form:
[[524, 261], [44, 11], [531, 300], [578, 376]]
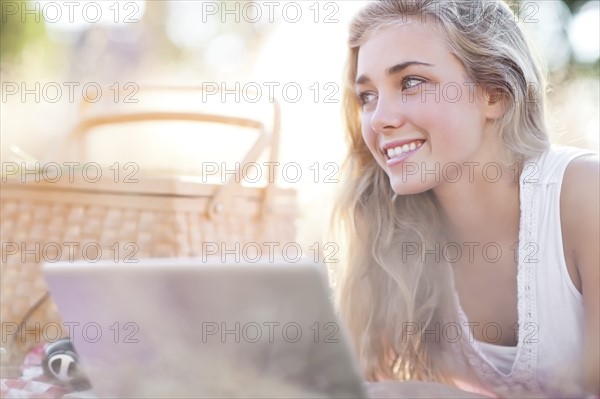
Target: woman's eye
[[411, 83], [365, 97]]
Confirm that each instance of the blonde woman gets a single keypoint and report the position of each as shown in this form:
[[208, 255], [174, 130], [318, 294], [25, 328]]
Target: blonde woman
[[472, 241]]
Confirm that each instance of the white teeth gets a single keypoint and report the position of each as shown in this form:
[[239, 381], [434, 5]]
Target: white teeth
[[396, 151]]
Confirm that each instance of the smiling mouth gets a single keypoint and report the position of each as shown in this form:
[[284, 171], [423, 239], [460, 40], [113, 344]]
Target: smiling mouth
[[399, 151]]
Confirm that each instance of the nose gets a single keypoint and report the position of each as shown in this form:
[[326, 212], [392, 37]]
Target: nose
[[387, 116]]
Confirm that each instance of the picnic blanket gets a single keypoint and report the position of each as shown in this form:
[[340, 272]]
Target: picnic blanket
[[34, 384]]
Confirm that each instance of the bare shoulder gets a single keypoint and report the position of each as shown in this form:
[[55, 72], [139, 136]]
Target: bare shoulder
[[581, 172], [580, 197]]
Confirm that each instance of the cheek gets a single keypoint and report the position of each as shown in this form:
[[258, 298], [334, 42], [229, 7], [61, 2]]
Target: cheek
[[450, 125]]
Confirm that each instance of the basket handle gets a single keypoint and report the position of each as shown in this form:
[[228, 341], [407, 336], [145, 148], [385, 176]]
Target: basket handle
[[221, 201]]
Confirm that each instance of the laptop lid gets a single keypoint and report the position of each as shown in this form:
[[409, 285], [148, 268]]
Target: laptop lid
[[205, 328]]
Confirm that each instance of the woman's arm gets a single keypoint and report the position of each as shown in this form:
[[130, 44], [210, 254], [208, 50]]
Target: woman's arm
[[580, 199]]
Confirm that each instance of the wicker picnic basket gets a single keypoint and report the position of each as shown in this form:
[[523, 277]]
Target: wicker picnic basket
[[158, 216]]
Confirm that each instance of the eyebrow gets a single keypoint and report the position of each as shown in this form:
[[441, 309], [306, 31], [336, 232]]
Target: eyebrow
[[393, 70]]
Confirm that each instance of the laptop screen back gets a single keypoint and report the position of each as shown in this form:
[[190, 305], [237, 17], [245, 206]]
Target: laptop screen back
[[204, 328]]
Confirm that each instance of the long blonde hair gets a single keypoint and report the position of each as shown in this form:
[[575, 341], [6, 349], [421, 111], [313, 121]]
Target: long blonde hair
[[383, 295]]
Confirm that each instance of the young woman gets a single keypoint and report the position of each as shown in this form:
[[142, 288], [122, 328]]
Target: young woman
[[472, 242]]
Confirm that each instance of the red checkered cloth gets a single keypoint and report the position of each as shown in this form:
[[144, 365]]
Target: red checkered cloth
[[34, 384]]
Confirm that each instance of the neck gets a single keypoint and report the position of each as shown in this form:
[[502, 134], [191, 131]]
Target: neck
[[483, 208]]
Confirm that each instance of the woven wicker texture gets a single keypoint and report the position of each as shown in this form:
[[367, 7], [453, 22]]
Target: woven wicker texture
[[156, 217]]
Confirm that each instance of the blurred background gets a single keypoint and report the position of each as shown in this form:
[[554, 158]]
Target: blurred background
[[55, 53]]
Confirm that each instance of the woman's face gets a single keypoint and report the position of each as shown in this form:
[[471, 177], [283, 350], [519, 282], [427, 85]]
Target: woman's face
[[422, 119]]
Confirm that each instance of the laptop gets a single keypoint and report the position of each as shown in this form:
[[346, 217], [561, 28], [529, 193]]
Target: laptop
[[205, 328]]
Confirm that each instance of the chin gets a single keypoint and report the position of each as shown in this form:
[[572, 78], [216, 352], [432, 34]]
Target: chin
[[403, 185]]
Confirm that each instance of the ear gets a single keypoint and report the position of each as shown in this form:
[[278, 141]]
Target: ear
[[495, 102]]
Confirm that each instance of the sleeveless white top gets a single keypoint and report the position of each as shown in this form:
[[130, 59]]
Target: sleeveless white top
[[502, 357], [550, 308]]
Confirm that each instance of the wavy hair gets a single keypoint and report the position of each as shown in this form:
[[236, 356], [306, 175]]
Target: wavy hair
[[387, 299]]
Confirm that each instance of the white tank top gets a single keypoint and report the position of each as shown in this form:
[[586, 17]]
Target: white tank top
[[550, 308], [502, 357]]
